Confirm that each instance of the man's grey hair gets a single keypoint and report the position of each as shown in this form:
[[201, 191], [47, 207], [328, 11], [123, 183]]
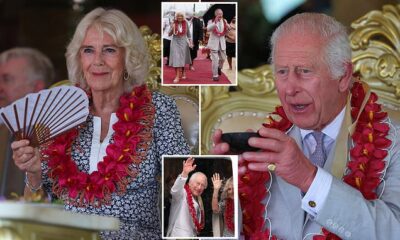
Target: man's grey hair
[[39, 65], [218, 9], [336, 52], [196, 175]]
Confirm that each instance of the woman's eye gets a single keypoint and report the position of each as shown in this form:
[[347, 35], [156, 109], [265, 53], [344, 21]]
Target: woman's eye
[[87, 50], [109, 50]]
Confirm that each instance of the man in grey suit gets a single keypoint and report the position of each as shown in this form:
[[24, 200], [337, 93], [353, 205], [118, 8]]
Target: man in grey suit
[[22, 71], [311, 58], [182, 218], [216, 42]]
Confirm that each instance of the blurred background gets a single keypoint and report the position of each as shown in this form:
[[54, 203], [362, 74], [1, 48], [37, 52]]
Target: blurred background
[[48, 25]]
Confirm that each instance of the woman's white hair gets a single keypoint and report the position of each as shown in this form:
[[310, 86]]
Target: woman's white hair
[[125, 34], [180, 13], [336, 52], [228, 183]]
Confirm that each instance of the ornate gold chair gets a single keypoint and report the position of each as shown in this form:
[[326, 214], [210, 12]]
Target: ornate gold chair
[[186, 98], [375, 44]]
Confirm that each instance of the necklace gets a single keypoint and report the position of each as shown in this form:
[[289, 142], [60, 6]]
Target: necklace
[[133, 132], [228, 214], [180, 28], [217, 32], [198, 223], [365, 165]]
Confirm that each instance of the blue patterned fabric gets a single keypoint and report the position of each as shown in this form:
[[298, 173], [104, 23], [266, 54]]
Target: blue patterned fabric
[[137, 209]]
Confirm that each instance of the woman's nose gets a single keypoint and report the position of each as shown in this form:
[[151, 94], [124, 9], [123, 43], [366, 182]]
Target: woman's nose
[[98, 59]]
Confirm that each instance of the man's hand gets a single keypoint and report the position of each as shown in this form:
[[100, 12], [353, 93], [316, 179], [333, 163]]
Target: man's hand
[[188, 166], [222, 148], [219, 147], [281, 150]]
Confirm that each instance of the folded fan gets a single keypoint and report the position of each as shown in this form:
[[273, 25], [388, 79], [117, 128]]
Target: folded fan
[[41, 116]]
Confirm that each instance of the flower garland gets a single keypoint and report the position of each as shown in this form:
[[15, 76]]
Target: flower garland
[[228, 214], [220, 33], [176, 28], [199, 223], [119, 167], [365, 167]]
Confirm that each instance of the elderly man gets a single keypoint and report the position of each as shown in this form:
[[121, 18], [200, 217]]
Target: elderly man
[[334, 158], [216, 42], [186, 217], [22, 71]]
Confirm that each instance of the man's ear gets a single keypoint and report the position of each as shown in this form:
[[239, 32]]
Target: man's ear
[[39, 85], [345, 80]]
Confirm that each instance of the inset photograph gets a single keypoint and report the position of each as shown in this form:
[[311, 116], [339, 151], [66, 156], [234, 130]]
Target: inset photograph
[[200, 197], [199, 43]]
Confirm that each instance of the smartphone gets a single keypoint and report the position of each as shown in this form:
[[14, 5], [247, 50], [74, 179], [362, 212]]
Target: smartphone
[[239, 141]]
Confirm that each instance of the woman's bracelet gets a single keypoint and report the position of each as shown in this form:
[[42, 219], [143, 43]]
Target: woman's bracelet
[[29, 185]]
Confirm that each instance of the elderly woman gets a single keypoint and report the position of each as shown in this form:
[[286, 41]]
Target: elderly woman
[[109, 165], [225, 205], [181, 42]]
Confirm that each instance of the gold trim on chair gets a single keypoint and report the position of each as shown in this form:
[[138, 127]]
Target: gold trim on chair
[[243, 108], [375, 43]]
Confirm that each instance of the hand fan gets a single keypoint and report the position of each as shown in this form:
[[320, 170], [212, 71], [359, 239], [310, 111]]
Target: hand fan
[[41, 116]]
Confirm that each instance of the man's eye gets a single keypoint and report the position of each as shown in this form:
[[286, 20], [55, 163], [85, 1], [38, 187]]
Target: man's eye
[[281, 71], [305, 70]]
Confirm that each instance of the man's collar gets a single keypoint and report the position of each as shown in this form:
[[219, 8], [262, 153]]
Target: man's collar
[[331, 130]]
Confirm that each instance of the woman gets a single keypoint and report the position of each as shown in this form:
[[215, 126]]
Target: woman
[[109, 165], [181, 42], [225, 205], [231, 42]]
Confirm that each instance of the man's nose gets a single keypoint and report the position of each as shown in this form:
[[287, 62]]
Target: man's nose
[[292, 84]]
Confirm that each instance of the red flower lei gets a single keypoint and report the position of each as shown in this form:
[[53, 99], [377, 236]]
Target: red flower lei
[[228, 214], [199, 225], [133, 131], [366, 164], [218, 33], [176, 28]]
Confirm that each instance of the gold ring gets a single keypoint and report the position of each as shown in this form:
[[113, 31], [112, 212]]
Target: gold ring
[[271, 167]]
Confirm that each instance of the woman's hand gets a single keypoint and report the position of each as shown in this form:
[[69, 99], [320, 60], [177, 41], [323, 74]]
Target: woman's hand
[[26, 157], [217, 182], [188, 166]]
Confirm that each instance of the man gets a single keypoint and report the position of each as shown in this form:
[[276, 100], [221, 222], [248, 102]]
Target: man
[[311, 58], [186, 217], [22, 71], [195, 27], [217, 28], [166, 26]]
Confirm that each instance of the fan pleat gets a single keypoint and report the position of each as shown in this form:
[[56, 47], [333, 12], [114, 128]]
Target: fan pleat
[[54, 112]]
